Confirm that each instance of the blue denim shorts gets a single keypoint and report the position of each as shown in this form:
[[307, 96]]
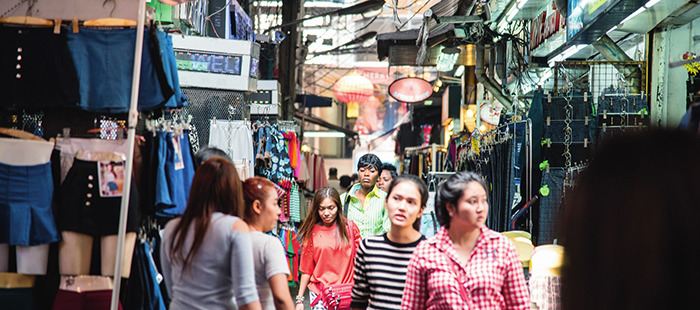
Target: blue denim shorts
[[178, 99], [104, 61], [174, 174], [26, 216]]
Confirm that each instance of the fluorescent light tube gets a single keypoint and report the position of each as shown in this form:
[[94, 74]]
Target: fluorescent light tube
[[324, 134], [637, 12]]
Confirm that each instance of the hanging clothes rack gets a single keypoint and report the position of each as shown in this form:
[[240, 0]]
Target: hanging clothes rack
[[129, 167]]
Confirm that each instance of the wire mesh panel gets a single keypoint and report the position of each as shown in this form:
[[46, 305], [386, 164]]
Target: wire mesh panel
[[598, 78], [616, 89], [205, 104]]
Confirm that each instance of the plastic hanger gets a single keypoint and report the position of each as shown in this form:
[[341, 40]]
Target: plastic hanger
[[20, 134], [110, 22], [26, 20]]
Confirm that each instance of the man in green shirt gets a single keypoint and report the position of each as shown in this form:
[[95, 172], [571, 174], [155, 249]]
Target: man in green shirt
[[363, 203]]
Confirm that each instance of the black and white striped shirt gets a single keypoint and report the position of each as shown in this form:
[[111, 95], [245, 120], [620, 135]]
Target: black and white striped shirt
[[380, 272]]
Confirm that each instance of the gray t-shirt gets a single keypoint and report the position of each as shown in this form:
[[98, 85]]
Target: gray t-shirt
[[219, 271], [270, 259]]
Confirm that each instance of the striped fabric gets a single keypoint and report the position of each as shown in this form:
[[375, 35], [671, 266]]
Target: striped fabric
[[294, 205], [371, 218], [380, 272]]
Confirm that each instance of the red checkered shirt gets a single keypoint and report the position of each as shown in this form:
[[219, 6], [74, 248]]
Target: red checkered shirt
[[493, 277]]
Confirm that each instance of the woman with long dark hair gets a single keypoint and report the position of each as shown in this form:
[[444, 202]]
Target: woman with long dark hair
[[262, 210], [207, 253], [382, 260], [327, 249]]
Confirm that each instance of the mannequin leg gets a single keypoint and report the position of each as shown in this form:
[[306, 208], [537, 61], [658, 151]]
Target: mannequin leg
[[109, 254], [4, 257], [74, 253], [32, 259]]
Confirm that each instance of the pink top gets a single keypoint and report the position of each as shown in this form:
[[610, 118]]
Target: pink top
[[325, 260], [493, 277]]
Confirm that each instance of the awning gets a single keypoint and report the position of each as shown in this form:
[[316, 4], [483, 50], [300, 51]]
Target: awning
[[320, 122], [400, 46], [314, 101]]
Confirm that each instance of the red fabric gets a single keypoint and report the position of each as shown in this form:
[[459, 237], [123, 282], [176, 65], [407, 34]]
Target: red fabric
[[325, 261], [493, 276], [293, 148], [94, 300]]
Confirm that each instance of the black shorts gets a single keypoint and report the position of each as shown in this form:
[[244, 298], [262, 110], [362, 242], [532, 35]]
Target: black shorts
[[81, 208], [36, 69]]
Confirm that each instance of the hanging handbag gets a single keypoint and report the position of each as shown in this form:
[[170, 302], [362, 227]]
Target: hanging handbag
[[338, 296]]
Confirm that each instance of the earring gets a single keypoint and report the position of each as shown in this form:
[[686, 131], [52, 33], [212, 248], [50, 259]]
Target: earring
[[451, 214]]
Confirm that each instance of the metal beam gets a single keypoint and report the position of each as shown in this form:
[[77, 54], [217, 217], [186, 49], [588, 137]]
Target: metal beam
[[320, 122], [458, 19], [287, 57]]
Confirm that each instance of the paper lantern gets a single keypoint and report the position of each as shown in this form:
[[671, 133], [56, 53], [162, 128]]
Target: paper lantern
[[353, 88]]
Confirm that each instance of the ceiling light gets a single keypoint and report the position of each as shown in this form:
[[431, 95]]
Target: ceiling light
[[511, 13], [637, 12], [521, 3], [651, 3], [611, 29], [459, 71], [447, 58], [566, 54]]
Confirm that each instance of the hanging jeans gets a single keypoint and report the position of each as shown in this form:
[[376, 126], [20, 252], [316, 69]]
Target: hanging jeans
[[550, 206]]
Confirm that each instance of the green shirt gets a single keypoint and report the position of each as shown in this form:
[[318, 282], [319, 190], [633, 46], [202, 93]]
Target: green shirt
[[373, 218]]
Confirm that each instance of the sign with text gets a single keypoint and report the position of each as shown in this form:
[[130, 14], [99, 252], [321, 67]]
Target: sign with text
[[545, 25], [208, 63], [410, 90]]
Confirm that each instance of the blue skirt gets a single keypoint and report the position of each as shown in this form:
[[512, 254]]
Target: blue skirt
[[26, 216]]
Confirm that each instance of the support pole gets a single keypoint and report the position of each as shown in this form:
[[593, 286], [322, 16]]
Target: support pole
[[287, 57], [131, 134]]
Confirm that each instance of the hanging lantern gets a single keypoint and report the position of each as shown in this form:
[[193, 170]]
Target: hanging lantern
[[353, 88]]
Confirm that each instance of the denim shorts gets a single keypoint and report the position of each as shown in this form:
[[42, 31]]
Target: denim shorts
[[104, 61], [26, 216], [81, 208], [174, 174], [165, 42], [36, 69]]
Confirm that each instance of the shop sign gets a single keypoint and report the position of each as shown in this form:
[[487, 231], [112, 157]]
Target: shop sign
[[490, 113], [582, 13], [545, 26], [410, 90], [209, 63]]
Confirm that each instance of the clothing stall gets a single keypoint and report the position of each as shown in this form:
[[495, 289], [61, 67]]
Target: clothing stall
[[81, 133]]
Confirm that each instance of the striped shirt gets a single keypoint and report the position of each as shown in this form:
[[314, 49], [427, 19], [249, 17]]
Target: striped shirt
[[371, 218], [380, 272]]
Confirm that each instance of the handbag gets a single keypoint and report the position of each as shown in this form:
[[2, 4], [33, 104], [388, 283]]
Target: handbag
[[338, 296]]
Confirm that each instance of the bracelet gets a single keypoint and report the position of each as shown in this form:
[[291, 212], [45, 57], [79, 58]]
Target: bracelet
[[300, 299]]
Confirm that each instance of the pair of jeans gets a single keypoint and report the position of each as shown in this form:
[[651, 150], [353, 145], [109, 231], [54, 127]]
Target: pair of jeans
[[556, 109], [550, 205], [618, 104], [555, 131]]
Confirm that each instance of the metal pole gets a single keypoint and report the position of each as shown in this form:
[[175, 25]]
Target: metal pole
[[131, 132]]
